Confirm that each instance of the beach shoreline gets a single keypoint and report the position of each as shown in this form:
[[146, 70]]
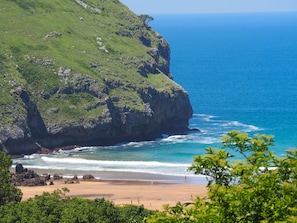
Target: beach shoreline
[[151, 194], [112, 175]]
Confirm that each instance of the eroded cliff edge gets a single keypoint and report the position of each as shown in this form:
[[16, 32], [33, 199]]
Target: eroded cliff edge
[[83, 73]]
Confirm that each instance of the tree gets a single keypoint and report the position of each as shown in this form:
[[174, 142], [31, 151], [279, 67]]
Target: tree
[[8, 192], [146, 18], [57, 207], [260, 187]]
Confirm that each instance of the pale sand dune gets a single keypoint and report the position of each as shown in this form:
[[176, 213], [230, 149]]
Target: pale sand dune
[[152, 195]]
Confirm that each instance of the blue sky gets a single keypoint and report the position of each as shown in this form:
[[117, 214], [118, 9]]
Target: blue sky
[[209, 6]]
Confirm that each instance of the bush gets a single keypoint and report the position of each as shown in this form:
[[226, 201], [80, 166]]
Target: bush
[[259, 188], [8, 192], [57, 207]]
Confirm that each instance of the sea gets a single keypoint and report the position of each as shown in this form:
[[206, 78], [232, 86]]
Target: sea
[[240, 71]]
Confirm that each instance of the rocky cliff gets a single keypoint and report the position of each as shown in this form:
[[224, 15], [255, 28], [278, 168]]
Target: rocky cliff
[[83, 73]]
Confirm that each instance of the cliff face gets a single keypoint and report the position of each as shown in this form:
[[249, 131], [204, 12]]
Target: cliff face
[[83, 73]]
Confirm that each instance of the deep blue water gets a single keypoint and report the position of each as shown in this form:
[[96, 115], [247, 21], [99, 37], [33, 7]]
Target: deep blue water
[[240, 71], [239, 67]]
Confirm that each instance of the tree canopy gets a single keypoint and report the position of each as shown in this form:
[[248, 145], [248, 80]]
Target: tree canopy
[[260, 187], [8, 192], [57, 207], [146, 18]]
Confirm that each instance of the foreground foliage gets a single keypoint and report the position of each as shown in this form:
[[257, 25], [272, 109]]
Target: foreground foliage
[[56, 207], [259, 188], [8, 193]]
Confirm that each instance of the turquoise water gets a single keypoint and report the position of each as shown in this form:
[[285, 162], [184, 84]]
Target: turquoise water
[[240, 71]]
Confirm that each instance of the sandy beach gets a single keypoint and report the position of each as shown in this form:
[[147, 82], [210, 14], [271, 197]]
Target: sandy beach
[[153, 195]]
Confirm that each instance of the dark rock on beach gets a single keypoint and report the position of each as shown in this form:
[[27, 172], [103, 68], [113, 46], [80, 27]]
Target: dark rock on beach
[[88, 177], [25, 177]]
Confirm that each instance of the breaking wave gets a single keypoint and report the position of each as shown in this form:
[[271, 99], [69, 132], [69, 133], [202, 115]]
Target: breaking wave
[[170, 155]]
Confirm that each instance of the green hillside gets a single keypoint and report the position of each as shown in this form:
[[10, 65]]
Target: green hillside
[[71, 61]]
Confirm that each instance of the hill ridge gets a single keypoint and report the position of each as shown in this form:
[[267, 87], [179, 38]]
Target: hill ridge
[[83, 73]]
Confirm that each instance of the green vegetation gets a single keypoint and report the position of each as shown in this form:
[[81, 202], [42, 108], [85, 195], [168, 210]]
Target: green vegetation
[[259, 188], [8, 193], [47, 48], [56, 207], [146, 18]]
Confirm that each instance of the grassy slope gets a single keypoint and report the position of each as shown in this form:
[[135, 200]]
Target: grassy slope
[[72, 44]]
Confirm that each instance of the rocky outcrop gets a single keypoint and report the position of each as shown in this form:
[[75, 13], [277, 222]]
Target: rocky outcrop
[[88, 177], [99, 76], [25, 177], [163, 114]]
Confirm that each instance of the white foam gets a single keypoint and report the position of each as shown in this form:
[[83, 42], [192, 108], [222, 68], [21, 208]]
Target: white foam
[[75, 150], [211, 129], [80, 169], [79, 164], [111, 163], [241, 126], [88, 169], [209, 140], [224, 125], [129, 145], [205, 117], [29, 156], [175, 138]]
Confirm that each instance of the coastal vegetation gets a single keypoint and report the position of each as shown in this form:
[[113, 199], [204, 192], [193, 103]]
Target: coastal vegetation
[[8, 193], [56, 207], [85, 73], [258, 187], [146, 18]]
